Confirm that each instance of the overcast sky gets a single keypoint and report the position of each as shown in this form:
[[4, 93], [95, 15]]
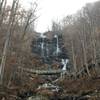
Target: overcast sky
[[55, 9]]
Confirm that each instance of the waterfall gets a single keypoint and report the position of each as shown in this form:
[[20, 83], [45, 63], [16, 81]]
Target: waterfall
[[64, 63], [42, 43], [47, 50], [57, 45]]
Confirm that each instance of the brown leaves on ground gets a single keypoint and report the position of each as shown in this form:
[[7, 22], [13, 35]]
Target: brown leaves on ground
[[80, 86]]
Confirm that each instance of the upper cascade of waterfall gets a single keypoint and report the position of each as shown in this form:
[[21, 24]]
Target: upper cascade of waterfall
[[42, 35], [55, 36], [50, 47], [57, 44]]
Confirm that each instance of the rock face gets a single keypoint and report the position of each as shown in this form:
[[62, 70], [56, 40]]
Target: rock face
[[49, 49]]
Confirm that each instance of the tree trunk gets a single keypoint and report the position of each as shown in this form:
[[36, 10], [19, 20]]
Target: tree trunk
[[6, 45], [73, 56]]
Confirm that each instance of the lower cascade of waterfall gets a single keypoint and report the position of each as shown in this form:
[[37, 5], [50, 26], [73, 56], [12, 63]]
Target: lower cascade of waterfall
[[64, 63]]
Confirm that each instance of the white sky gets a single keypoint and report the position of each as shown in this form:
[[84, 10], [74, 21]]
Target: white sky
[[55, 9]]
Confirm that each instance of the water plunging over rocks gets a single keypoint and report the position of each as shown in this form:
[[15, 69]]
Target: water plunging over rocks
[[51, 50]]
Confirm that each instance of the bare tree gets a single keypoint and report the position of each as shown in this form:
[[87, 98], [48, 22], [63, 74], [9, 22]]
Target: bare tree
[[6, 45], [30, 18], [2, 10]]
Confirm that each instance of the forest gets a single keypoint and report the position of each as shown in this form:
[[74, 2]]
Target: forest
[[62, 63]]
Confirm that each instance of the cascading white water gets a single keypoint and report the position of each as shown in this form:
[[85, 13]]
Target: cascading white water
[[42, 43], [47, 50], [57, 49], [64, 63]]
